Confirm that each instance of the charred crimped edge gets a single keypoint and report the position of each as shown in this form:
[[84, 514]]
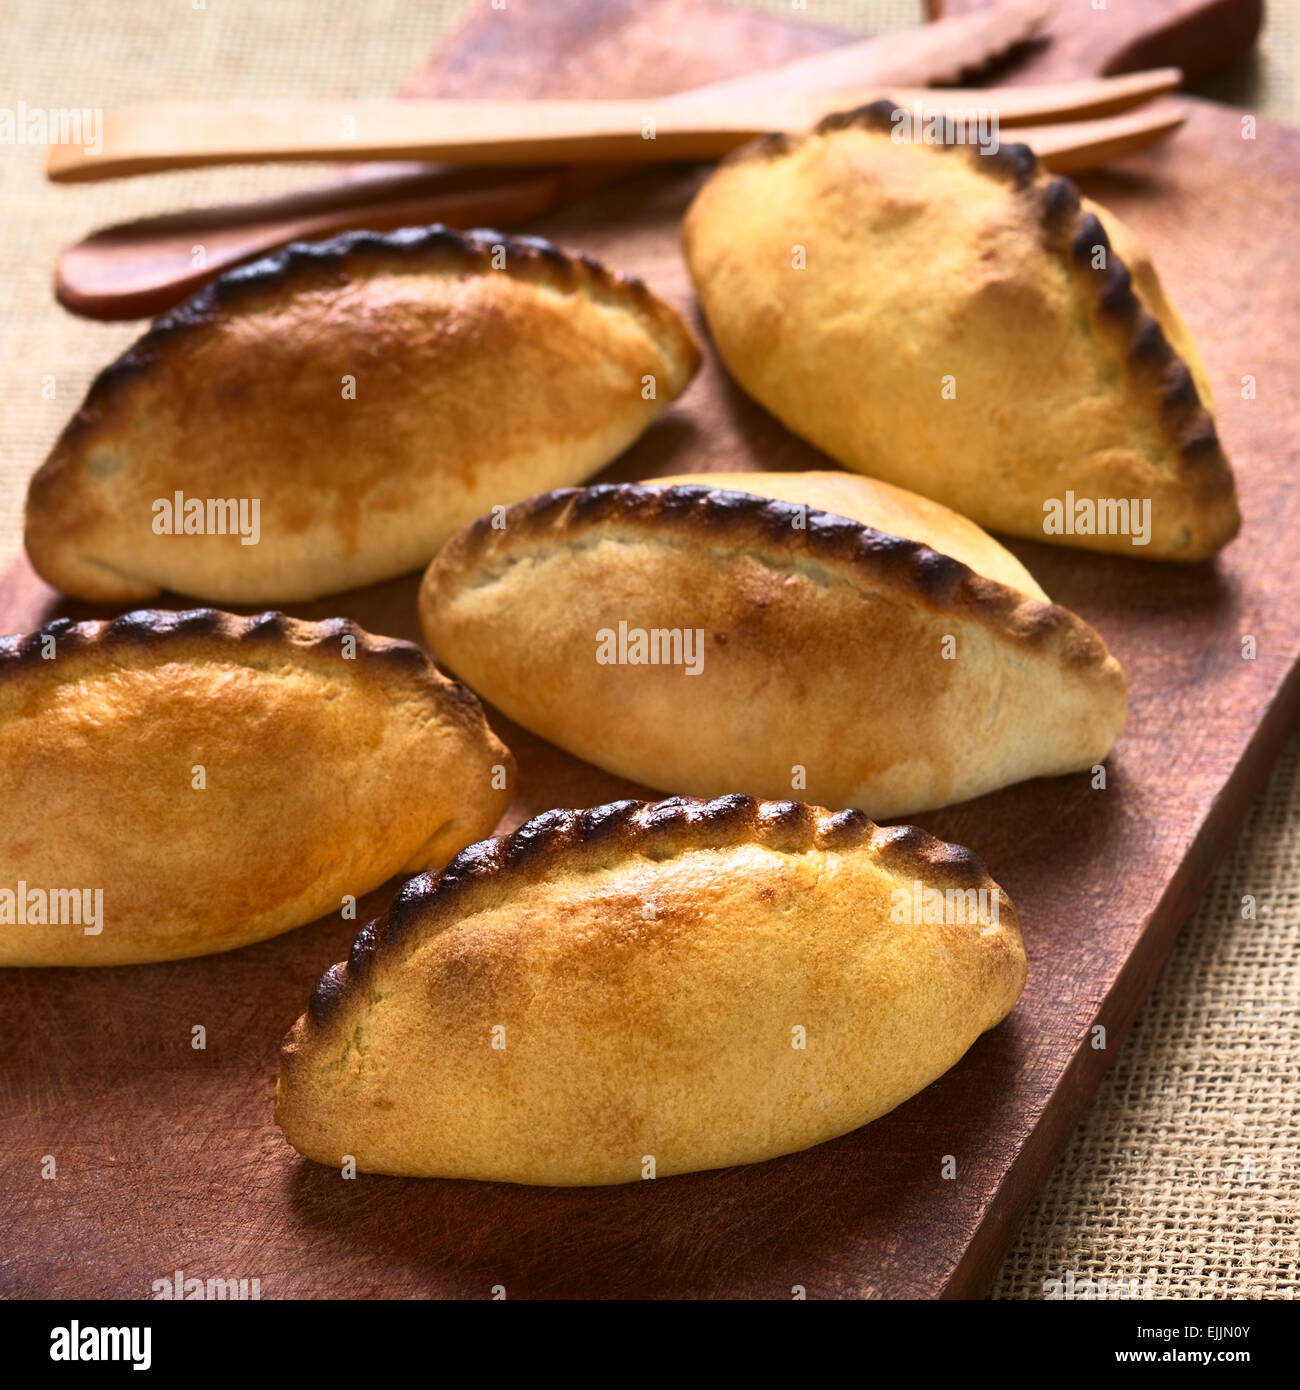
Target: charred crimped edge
[[146, 628], [631, 828], [527, 258], [1075, 234], [824, 536], [1183, 414]]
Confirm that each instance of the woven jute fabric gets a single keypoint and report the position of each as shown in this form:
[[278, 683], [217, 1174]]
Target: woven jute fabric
[[1183, 1168]]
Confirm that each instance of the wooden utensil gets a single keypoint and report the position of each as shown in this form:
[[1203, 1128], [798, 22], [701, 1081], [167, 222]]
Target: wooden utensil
[[573, 41], [183, 135], [1075, 146], [1199, 36]]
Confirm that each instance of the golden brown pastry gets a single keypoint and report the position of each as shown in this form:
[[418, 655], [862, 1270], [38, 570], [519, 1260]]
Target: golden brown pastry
[[649, 988], [963, 325], [698, 639], [327, 417], [891, 510], [173, 784]]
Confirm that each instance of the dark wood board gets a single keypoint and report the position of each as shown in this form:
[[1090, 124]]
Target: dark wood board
[[168, 1158], [1198, 36]]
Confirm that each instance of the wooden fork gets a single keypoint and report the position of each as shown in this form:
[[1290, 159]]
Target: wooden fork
[[186, 135]]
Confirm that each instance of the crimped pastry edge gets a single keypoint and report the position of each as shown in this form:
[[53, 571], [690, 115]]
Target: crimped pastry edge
[[558, 839], [1073, 233], [147, 628], [443, 251], [907, 566], [154, 633]]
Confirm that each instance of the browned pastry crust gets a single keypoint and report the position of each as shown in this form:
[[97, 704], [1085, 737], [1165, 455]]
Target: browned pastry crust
[[750, 522], [543, 934], [330, 760], [484, 366], [306, 266], [824, 650], [1165, 384]]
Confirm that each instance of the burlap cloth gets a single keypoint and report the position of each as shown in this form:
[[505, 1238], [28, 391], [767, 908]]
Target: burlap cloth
[[1183, 1169]]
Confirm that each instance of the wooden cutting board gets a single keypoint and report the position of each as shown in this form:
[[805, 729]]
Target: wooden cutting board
[[167, 1158], [1077, 36]]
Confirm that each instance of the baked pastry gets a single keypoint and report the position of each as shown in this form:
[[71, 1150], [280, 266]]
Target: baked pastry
[[891, 510], [174, 784], [966, 326], [645, 989], [350, 403], [698, 639]]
